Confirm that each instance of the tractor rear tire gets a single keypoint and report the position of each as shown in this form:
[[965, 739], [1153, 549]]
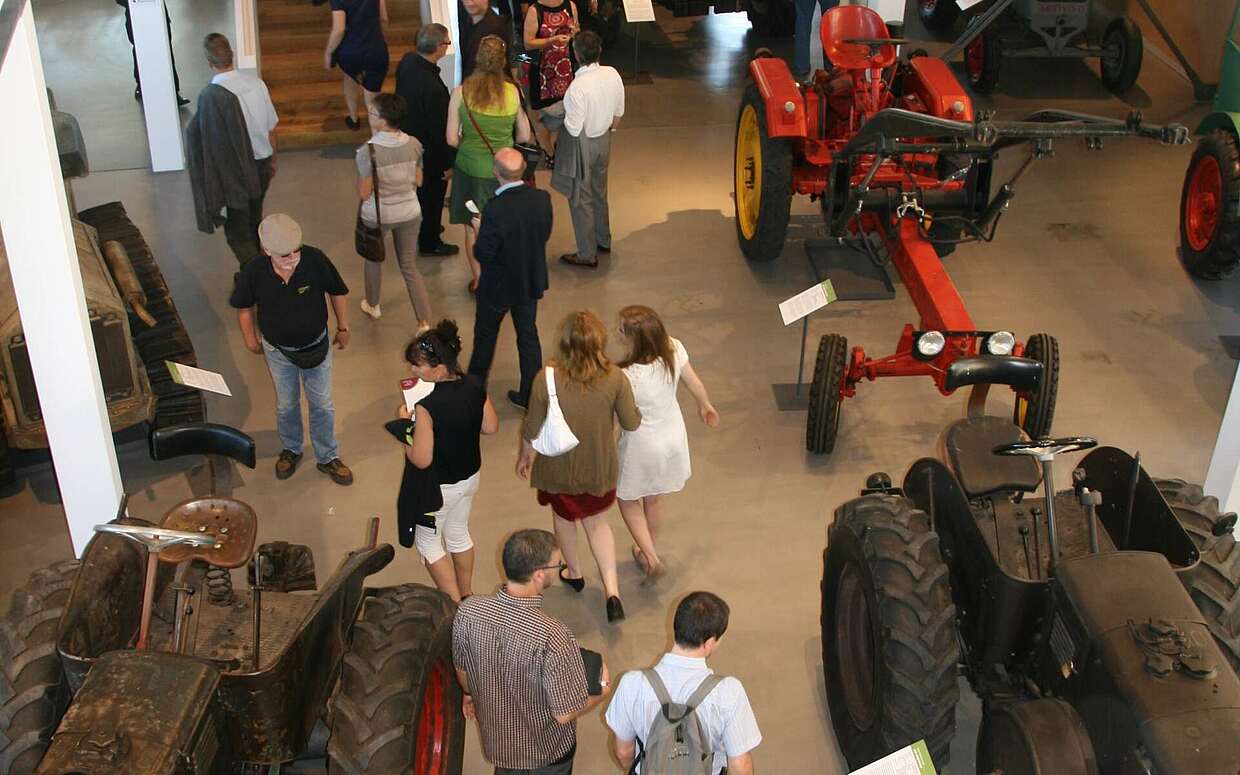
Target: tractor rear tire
[[982, 60], [822, 423], [397, 707], [1035, 413], [1209, 218], [1034, 737], [1215, 584], [763, 182], [1119, 72], [34, 690], [889, 644], [938, 16]]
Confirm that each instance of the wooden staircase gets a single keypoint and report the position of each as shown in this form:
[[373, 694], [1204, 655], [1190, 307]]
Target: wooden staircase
[[308, 99]]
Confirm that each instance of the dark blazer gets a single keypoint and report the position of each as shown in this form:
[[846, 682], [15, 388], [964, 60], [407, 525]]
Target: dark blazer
[[471, 35], [222, 172], [426, 111], [512, 246]]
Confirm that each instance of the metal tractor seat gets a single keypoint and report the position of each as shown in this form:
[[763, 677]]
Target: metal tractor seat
[[981, 473], [848, 22]]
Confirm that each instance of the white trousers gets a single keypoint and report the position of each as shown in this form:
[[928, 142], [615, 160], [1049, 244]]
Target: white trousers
[[451, 532]]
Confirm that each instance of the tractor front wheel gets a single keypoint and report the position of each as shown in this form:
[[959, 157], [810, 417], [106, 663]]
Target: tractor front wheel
[[763, 182], [397, 707], [822, 424], [888, 631], [981, 62], [1209, 216], [938, 15], [1122, 50], [1032, 737], [1035, 410]]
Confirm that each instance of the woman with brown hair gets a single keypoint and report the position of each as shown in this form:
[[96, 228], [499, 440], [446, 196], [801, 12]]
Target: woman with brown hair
[[580, 485], [654, 458], [484, 114]]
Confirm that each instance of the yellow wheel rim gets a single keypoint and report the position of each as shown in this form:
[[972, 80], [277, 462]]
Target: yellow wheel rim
[[748, 172], [1022, 411]]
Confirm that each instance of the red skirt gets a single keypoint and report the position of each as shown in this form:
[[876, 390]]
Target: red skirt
[[577, 507]]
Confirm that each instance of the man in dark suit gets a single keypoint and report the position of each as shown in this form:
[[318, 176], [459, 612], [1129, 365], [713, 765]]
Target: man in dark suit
[[419, 82], [512, 249], [477, 20]]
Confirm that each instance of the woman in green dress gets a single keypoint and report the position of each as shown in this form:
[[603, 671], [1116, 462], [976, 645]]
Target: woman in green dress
[[483, 117]]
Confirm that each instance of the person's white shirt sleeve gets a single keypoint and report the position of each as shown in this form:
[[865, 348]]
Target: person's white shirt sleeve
[[619, 712], [740, 732], [574, 110], [619, 89], [272, 118]]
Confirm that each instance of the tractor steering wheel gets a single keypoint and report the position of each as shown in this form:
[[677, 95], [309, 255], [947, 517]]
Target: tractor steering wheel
[[1046, 449], [156, 539], [874, 44]]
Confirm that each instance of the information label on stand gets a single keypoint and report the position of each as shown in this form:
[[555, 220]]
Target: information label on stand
[[914, 760], [807, 301], [198, 378], [639, 10]]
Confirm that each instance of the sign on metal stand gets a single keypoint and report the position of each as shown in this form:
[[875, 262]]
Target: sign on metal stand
[[638, 12]]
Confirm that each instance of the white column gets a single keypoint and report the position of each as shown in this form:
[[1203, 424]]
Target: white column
[[43, 262], [445, 12], [1223, 475], [159, 96], [245, 39]]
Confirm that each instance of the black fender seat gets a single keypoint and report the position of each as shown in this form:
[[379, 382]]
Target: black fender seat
[[970, 447]]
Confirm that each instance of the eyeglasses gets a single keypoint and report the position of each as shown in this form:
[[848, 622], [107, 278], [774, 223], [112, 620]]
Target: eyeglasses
[[446, 43], [557, 566]]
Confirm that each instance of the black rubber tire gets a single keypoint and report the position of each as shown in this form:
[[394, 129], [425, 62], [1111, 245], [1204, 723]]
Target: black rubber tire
[[822, 423], [1215, 583], [775, 206], [1120, 75], [1221, 255], [401, 649], [881, 550], [772, 18], [938, 16], [1040, 413], [34, 691], [986, 79], [1035, 737]]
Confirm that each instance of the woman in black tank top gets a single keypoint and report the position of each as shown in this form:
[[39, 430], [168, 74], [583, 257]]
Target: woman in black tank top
[[445, 452]]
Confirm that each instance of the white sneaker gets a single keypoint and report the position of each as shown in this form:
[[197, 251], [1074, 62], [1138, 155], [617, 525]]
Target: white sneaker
[[374, 311]]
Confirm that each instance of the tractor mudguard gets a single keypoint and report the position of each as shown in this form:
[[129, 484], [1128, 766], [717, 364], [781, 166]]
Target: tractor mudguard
[[938, 88], [785, 106], [1020, 373], [1220, 119]]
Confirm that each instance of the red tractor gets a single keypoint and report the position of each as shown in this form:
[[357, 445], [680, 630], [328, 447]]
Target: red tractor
[[902, 166]]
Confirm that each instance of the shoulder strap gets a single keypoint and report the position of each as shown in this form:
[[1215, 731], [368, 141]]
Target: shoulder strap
[[549, 374], [656, 683], [474, 121], [374, 175], [707, 685]]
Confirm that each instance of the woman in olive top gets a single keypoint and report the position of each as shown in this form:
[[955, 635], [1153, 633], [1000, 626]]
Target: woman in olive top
[[580, 485], [483, 116]]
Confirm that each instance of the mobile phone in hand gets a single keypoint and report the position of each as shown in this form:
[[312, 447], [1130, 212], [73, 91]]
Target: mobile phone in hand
[[473, 208]]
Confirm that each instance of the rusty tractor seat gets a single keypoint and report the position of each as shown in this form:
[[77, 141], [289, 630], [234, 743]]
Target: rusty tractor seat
[[981, 473]]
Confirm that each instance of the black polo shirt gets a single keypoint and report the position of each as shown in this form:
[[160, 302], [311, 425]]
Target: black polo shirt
[[292, 314]]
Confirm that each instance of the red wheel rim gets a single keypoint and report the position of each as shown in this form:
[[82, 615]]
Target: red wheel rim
[[432, 744], [1201, 206], [975, 58]]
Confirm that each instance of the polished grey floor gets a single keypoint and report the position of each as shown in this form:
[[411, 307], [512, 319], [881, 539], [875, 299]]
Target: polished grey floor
[[1086, 253]]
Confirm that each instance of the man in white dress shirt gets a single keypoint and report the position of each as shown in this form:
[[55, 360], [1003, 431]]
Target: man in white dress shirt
[[241, 224], [593, 106], [726, 717]]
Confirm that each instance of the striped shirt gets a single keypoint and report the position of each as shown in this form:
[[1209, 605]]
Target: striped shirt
[[524, 668]]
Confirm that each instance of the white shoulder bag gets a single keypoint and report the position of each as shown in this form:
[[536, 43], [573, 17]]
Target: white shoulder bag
[[555, 438]]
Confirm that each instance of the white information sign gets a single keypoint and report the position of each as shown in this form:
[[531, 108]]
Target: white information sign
[[914, 760], [639, 10], [809, 300], [198, 378]]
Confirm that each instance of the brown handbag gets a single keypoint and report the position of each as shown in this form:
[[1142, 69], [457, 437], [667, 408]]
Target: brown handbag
[[368, 240]]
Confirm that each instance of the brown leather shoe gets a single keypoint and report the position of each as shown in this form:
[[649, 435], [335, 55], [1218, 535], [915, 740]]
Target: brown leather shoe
[[338, 471], [576, 260], [286, 464]]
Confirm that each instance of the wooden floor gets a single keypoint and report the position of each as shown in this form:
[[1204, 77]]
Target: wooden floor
[[309, 99]]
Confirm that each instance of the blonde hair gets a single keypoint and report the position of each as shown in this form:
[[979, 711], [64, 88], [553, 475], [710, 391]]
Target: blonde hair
[[484, 88], [583, 344]]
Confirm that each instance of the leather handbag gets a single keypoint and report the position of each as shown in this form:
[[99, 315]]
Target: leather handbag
[[555, 438], [368, 240]]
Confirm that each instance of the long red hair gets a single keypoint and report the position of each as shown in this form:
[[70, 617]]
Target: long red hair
[[647, 338]]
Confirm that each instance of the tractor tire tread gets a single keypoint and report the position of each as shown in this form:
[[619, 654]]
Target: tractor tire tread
[[1041, 412], [822, 422], [1222, 256], [775, 207]]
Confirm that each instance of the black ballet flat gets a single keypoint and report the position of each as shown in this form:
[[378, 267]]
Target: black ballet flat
[[615, 610], [578, 584], [352, 123]]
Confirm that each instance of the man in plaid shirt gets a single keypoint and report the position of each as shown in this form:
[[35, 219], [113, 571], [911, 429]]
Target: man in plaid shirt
[[521, 669]]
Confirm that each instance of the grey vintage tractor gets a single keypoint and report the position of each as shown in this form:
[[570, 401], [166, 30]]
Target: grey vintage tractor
[[1099, 625], [142, 659]]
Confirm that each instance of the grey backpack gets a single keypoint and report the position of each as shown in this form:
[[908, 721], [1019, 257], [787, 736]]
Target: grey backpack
[[676, 743]]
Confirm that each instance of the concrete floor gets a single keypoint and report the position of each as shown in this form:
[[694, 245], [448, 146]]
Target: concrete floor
[[1087, 253]]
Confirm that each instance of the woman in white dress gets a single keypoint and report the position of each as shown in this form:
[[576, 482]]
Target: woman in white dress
[[654, 459]]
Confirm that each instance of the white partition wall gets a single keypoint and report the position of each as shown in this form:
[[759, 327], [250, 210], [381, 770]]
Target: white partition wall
[[1223, 476], [43, 262], [159, 97], [445, 12], [245, 36]]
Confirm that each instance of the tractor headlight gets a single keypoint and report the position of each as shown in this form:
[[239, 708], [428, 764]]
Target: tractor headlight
[[930, 344], [1000, 343]]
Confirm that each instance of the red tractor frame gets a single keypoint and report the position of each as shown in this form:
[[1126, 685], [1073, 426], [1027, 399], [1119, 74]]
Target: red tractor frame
[[902, 167]]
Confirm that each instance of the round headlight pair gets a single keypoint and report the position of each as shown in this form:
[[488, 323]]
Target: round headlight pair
[[1000, 343], [930, 344]]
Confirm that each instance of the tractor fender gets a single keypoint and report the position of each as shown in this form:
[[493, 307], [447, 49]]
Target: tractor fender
[[785, 106], [1220, 119]]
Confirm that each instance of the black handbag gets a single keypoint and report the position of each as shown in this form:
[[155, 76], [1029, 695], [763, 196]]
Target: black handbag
[[368, 240]]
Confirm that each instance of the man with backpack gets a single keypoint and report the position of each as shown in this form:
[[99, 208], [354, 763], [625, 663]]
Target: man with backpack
[[679, 718]]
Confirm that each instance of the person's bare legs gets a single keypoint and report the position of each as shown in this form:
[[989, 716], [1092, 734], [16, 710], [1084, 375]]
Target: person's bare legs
[[463, 565], [351, 89], [635, 519], [475, 269], [369, 98], [444, 578], [566, 537], [603, 546], [653, 506]]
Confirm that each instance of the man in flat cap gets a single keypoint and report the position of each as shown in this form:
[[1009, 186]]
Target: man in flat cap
[[286, 292]]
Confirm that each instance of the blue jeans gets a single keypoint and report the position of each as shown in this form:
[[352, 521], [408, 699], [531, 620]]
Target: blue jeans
[[288, 380], [801, 41]]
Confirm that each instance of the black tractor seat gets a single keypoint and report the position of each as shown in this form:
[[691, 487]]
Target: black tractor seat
[[970, 444]]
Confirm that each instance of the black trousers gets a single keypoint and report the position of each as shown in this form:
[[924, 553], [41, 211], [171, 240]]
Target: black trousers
[[241, 223], [563, 767], [430, 196], [176, 79], [487, 320]]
